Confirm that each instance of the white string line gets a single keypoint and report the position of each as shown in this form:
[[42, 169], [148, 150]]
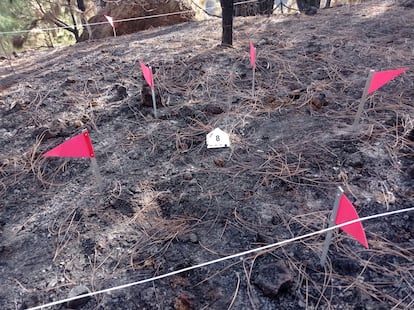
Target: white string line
[[98, 23], [118, 20], [279, 244], [244, 2]]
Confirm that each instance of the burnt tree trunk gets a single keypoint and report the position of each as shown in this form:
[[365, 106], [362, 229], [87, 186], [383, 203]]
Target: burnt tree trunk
[[81, 5], [316, 3], [261, 7], [309, 7], [227, 22], [75, 30]]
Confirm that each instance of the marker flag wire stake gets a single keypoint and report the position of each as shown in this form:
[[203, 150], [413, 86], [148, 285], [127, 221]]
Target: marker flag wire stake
[[154, 103], [279, 244], [147, 73], [111, 22], [346, 212], [343, 211], [381, 78], [355, 125], [329, 234], [252, 55], [374, 82], [79, 146], [253, 63]]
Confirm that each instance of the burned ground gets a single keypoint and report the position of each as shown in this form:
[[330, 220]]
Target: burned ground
[[169, 202]]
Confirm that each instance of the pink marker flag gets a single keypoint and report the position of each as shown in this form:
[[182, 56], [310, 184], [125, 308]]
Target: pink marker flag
[[346, 213], [78, 146], [147, 72], [252, 55], [110, 20], [383, 77]]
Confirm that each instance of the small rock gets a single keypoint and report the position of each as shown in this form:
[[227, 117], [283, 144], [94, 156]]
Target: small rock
[[187, 111], [346, 266], [193, 238], [219, 162], [69, 80], [295, 94], [77, 123], [355, 160], [187, 176], [262, 238], [213, 109], [272, 278], [193, 182], [52, 283], [30, 301], [78, 291], [318, 101], [276, 219], [183, 302], [121, 92]]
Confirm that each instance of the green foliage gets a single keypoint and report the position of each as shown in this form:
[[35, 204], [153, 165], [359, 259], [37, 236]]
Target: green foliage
[[11, 19], [13, 15], [18, 15]]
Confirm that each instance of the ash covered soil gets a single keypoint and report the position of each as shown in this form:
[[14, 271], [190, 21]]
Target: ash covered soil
[[169, 203]]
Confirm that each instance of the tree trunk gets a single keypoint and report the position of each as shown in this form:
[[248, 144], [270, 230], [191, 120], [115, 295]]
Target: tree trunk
[[227, 22], [261, 7], [309, 7], [75, 28], [81, 5], [316, 3]]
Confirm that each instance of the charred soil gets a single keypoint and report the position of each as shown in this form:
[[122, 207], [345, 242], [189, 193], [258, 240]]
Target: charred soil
[[168, 202]]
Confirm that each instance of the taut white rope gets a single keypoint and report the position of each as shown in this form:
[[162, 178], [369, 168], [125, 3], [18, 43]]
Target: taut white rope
[[281, 243]]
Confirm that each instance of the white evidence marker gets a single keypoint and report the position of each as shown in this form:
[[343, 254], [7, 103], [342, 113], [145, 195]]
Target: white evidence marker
[[217, 139]]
